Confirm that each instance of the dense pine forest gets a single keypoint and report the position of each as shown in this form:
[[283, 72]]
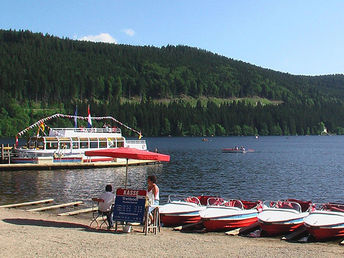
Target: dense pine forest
[[173, 90]]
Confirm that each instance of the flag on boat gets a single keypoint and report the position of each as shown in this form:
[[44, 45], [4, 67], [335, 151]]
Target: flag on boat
[[75, 117], [89, 119], [42, 127]]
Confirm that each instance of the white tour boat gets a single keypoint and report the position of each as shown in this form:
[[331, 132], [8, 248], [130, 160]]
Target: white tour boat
[[70, 144]]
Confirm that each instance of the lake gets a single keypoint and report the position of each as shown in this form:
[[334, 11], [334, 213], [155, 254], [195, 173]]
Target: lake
[[302, 167]]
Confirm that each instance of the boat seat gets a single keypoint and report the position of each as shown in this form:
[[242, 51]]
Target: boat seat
[[216, 201], [192, 199]]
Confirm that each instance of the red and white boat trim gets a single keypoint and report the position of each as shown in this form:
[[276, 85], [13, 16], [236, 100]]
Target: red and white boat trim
[[326, 222], [281, 217], [223, 215], [180, 211]]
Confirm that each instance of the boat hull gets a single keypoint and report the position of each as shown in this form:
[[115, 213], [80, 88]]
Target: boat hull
[[62, 160], [274, 229], [180, 213], [170, 220], [36, 160], [280, 221], [233, 151], [219, 218], [321, 233], [225, 224], [325, 224]]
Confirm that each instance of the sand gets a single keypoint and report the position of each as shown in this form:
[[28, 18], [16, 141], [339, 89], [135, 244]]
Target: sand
[[28, 234]]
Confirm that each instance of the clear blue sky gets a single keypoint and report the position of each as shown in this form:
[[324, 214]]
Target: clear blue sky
[[294, 36]]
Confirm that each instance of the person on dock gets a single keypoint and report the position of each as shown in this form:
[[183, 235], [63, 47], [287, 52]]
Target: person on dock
[[106, 207]]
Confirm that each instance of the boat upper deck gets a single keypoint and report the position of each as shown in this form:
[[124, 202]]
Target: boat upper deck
[[85, 132]]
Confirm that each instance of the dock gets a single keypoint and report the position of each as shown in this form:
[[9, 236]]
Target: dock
[[64, 205], [77, 212], [23, 204], [72, 165]]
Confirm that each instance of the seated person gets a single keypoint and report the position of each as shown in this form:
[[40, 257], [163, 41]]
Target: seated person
[[153, 191], [106, 206], [153, 195]]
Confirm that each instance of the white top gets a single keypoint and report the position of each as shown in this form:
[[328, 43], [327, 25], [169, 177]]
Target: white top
[[109, 199], [151, 196]]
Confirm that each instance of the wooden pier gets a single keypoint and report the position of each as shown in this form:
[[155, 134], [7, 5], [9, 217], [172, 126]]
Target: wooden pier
[[72, 165], [77, 212], [64, 205], [23, 204], [6, 154], [52, 207]]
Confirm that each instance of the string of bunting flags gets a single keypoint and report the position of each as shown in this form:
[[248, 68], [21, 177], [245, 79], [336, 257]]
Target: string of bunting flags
[[41, 121]]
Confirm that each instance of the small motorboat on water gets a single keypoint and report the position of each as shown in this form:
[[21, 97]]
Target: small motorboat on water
[[326, 221], [237, 150], [279, 217], [233, 150], [181, 210], [223, 214]]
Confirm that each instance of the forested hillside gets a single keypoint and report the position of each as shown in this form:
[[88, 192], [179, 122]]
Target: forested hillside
[[41, 75]]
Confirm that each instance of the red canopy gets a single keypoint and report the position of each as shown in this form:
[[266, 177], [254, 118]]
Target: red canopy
[[129, 153]]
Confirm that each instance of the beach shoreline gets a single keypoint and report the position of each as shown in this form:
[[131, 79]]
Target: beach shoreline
[[29, 234]]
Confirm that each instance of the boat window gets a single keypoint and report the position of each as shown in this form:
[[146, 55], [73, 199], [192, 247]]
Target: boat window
[[31, 144], [51, 145], [75, 145], [94, 145], [64, 145], [103, 144], [120, 144], [40, 145], [83, 145]]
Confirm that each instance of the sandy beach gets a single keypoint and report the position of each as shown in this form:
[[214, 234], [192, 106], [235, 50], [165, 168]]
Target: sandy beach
[[27, 234]]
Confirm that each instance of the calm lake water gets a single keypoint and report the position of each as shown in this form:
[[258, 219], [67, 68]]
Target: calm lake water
[[303, 167]]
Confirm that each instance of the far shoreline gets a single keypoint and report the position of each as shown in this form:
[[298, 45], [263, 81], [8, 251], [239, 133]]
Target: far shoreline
[[42, 234]]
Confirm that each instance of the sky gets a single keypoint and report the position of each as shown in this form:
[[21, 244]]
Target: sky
[[294, 36]]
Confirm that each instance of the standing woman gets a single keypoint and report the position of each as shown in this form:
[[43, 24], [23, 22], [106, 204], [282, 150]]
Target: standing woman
[[153, 191]]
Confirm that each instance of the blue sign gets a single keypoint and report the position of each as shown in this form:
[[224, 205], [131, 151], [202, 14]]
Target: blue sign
[[129, 205]]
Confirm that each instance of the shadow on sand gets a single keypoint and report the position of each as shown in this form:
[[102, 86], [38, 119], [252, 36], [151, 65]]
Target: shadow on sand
[[56, 224]]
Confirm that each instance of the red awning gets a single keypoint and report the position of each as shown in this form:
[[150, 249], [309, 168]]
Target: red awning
[[129, 153]]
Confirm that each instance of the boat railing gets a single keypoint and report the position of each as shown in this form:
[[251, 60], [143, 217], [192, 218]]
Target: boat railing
[[62, 131], [330, 206], [282, 204], [183, 199], [218, 201], [135, 142]]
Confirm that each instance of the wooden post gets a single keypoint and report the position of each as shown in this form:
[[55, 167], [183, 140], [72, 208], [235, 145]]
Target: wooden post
[[2, 152], [9, 154]]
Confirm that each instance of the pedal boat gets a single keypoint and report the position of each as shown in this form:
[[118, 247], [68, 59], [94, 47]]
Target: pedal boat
[[326, 221], [280, 217], [181, 210], [221, 214]]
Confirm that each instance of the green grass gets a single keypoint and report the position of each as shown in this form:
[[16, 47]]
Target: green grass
[[204, 100]]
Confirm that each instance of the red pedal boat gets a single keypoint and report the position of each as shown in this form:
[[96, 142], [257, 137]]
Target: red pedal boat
[[326, 221], [223, 214]]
